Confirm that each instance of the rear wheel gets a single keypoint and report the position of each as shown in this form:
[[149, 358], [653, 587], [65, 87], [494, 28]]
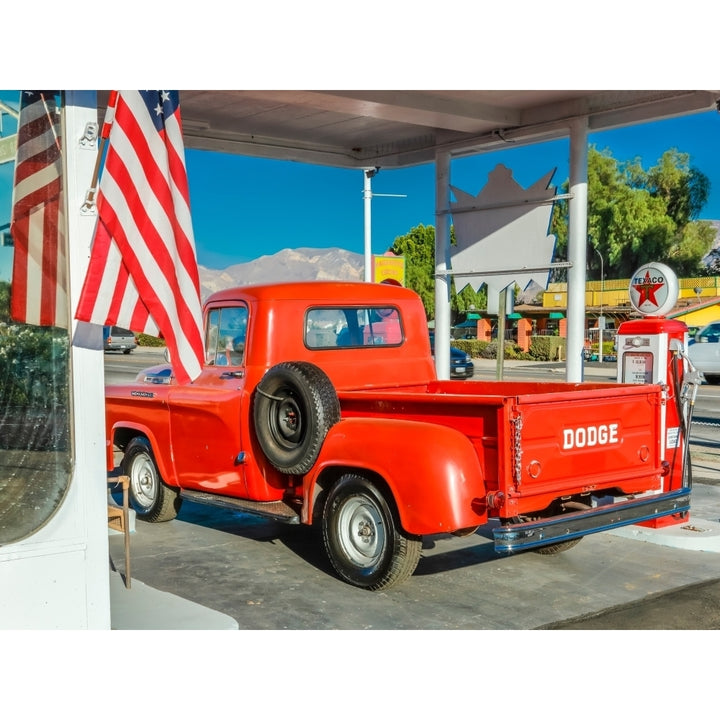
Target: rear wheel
[[362, 537], [150, 497], [558, 547], [554, 510]]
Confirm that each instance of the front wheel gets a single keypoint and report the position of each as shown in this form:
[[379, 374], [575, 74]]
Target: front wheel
[[362, 538], [150, 497]]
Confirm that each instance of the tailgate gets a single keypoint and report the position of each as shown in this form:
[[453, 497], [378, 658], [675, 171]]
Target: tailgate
[[580, 441]]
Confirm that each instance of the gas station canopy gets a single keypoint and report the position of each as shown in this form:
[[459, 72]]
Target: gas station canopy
[[397, 128]]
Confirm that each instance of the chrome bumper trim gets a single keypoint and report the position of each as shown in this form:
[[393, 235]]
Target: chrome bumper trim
[[547, 531]]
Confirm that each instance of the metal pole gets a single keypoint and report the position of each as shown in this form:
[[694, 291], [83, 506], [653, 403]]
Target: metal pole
[[577, 252], [368, 174], [500, 360], [442, 263], [601, 319]]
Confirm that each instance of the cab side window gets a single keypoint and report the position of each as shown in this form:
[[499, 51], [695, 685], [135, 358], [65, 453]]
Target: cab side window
[[225, 336], [353, 327]]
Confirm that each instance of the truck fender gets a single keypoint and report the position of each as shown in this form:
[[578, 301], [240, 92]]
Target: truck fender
[[431, 471], [131, 430]]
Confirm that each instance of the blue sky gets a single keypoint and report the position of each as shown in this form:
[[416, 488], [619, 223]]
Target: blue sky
[[261, 206], [246, 207]]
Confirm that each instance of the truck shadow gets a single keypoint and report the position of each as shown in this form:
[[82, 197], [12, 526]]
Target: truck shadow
[[440, 553], [445, 552]]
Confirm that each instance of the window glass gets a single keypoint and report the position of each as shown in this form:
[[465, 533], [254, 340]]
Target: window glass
[[710, 334], [35, 412], [225, 336], [353, 327]]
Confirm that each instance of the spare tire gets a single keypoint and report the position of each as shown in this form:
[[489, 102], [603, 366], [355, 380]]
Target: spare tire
[[295, 405]]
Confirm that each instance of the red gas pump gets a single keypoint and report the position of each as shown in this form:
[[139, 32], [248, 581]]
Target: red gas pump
[[653, 350]]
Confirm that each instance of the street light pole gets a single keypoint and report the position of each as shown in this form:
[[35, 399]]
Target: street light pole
[[368, 175], [601, 319]]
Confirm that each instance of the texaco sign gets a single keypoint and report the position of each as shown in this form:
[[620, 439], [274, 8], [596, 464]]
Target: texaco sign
[[654, 289]]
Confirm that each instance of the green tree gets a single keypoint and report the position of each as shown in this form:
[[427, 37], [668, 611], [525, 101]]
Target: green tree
[[637, 216], [4, 302], [418, 248]]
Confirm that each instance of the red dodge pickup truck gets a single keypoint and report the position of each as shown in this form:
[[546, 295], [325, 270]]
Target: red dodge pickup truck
[[319, 404]]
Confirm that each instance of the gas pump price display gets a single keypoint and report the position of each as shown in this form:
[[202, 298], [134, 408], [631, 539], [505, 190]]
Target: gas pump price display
[[637, 367]]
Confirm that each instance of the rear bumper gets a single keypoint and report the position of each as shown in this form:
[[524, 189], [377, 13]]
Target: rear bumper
[[547, 531]]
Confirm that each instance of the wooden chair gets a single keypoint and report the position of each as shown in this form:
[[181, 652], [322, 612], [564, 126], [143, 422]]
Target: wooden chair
[[119, 519]]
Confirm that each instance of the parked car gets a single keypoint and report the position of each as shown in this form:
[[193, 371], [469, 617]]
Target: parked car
[[120, 339], [704, 351], [461, 364]]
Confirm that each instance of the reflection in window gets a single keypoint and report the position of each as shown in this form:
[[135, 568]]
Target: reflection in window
[[709, 334], [35, 458], [225, 336], [353, 327]]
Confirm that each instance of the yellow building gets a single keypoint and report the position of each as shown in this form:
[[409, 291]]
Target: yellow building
[[698, 301]]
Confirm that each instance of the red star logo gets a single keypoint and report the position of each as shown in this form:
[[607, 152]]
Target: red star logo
[[646, 290]]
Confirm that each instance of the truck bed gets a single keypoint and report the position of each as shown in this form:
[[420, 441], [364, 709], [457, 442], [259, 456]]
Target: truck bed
[[536, 441]]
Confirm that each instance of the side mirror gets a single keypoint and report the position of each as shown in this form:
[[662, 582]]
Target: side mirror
[[166, 355]]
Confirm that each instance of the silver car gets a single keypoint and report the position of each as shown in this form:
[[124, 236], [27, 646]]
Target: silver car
[[120, 339], [704, 351]]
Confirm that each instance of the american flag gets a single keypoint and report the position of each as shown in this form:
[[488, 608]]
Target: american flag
[[39, 279], [143, 271]]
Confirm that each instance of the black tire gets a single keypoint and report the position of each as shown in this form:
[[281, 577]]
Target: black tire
[[364, 542], [295, 405], [554, 548], [558, 547], [150, 497]]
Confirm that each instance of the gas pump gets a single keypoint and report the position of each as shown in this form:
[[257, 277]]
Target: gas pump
[[653, 350]]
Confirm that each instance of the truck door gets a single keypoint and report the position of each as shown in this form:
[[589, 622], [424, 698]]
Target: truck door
[[205, 415]]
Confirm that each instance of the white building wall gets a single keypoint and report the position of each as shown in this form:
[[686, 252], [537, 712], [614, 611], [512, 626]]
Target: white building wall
[[58, 578]]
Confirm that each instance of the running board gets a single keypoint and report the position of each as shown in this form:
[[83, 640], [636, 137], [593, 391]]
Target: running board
[[547, 531], [278, 510]]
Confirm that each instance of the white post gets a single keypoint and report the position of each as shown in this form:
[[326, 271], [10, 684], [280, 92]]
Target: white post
[[442, 263], [577, 253], [601, 319], [368, 174]]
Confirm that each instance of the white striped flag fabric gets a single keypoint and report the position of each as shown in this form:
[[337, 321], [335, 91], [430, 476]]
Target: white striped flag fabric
[[39, 279], [143, 271]]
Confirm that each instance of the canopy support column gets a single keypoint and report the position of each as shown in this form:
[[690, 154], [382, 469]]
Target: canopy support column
[[442, 264], [577, 249]]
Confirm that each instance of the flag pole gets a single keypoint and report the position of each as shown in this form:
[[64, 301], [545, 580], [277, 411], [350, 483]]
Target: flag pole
[[50, 122], [89, 203]]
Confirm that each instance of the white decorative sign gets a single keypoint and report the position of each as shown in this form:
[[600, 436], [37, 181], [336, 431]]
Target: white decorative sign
[[504, 227]]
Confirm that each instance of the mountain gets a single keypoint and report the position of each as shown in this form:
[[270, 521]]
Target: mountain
[[302, 264], [285, 266]]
